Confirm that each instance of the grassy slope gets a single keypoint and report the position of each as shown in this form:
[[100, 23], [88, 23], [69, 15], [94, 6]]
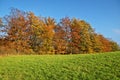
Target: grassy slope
[[61, 67]]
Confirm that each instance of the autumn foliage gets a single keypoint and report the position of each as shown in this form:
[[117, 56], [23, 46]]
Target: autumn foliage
[[25, 33]]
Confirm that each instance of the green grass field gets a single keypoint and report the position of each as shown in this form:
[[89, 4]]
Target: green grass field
[[104, 66]]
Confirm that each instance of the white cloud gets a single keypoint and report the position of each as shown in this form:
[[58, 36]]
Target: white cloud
[[117, 31]]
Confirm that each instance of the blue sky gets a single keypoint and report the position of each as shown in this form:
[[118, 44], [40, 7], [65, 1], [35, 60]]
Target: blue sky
[[102, 15]]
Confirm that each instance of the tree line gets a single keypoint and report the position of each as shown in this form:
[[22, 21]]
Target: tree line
[[25, 33]]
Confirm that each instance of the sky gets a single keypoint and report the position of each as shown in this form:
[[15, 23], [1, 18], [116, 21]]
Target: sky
[[102, 15]]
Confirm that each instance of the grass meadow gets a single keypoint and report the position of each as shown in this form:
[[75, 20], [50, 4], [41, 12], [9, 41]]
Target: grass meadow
[[99, 66]]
